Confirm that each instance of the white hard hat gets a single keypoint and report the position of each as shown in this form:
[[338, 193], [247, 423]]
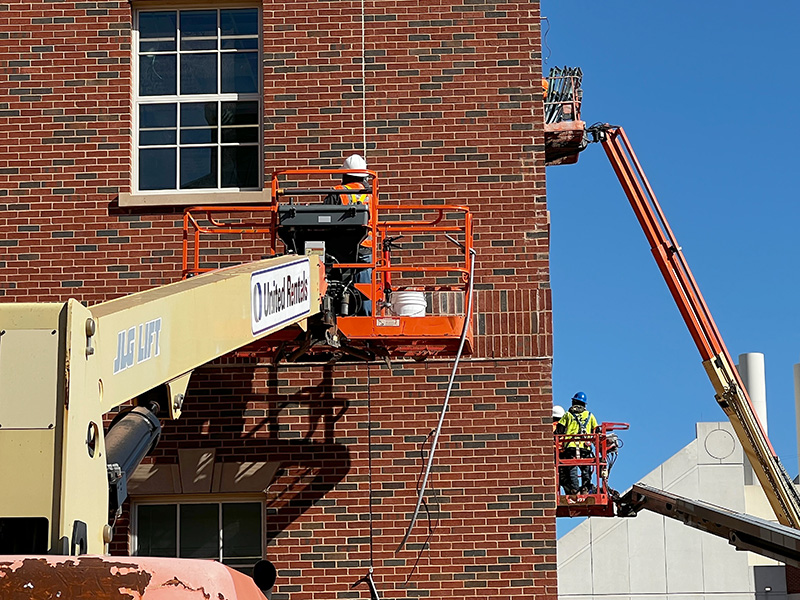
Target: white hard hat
[[355, 162], [558, 412]]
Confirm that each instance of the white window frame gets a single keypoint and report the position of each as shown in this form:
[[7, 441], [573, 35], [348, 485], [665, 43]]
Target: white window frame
[[218, 499], [218, 195]]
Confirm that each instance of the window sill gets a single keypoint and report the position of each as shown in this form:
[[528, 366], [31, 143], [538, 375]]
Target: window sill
[[194, 199]]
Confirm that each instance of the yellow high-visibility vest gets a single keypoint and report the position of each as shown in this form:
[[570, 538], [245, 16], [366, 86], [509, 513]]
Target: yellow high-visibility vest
[[582, 423]]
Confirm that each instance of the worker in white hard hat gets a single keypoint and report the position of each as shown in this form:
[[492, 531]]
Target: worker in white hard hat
[[356, 179], [563, 472], [558, 412]]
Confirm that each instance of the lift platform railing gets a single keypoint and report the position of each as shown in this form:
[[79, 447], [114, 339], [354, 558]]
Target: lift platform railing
[[204, 225], [433, 269], [417, 249], [447, 230], [599, 500], [564, 95]]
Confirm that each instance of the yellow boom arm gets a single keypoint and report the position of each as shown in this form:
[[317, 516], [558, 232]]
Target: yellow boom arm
[[63, 366]]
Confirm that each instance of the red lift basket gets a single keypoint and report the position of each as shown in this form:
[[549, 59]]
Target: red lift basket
[[432, 260], [601, 502]]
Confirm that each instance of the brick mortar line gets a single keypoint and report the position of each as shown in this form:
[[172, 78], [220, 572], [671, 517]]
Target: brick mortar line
[[414, 362]]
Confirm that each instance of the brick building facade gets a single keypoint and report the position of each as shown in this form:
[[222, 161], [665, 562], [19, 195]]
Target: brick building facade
[[450, 112]]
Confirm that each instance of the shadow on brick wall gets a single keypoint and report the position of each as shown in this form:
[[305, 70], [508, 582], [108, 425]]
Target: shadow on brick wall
[[249, 413]]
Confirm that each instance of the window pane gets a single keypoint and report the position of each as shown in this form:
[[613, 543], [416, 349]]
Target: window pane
[[157, 167], [199, 136], [157, 115], [198, 168], [199, 531], [198, 114], [239, 135], [242, 21], [198, 73], [240, 113], [204, 44], [157, 74], [158, 137], [198, 23], [160, 24], [239, 44], [157, 45], [240, 167], [240, 72], [241, 530], [157, 530]]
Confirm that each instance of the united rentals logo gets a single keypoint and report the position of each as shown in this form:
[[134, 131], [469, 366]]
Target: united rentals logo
[[279, 294]]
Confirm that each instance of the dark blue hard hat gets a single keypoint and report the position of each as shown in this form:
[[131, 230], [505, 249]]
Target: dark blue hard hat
[[580, 398]]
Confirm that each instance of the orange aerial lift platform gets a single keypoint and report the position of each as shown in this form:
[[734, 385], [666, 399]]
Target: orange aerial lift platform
[[731, 394], [599, 502], [420, 264]]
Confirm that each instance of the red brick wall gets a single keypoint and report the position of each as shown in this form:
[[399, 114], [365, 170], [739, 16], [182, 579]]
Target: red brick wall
[[453, 113], [490, 502]]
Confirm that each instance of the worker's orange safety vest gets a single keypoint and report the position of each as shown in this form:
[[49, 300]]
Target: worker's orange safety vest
[[356, 199], [353, 198]]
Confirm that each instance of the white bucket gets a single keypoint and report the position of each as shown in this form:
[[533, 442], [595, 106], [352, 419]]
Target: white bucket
[[408, 304]]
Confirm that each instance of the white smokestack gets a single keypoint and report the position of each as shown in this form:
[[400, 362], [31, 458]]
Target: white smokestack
[[751, 368]]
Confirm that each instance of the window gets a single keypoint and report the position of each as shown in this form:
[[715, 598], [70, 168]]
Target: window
[[231, 532], [197, 109]]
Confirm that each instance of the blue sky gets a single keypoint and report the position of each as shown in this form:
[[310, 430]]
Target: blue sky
[[708, 93]]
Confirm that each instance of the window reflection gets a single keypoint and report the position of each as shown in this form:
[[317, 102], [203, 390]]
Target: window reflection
[[157, 74], [243, 21], [240, 166], [240, 72], [228, 531], [198, 168], [157, 168], [199, 531], [160, 24], [198, 114], [157, 531], [198, 74]]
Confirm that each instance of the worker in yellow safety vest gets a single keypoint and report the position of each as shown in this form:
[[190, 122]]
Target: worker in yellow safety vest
[[577, 421], [356, 179]]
